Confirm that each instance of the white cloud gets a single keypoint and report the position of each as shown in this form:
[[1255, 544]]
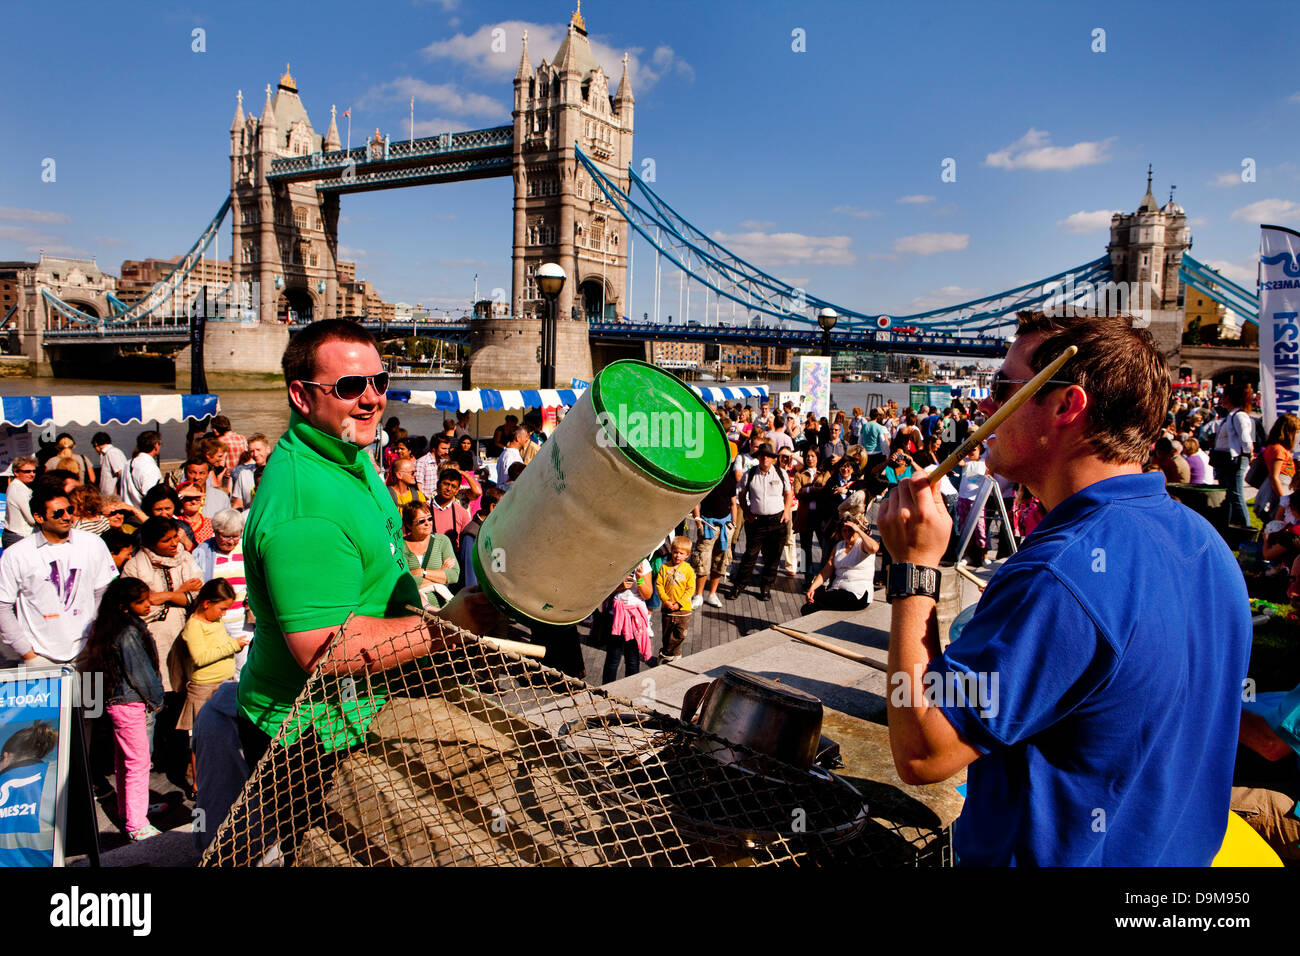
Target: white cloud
[[917, 198], [1243, 273], [476, 51], [445, 96], [757, 225], [662, 63], [1270, 211], [1081, 221], [929, 243], [60, 249], [348, 252], [34, 241], [10, 214], [435, 126], [27, 235], [788, 248], [1197, 221], [1226, 179], [938, 298], [799, 282], [857, 212], [1034, 151]]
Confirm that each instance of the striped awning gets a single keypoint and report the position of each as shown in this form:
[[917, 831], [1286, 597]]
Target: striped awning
[[730, 393], [486, 399], [104, 409]]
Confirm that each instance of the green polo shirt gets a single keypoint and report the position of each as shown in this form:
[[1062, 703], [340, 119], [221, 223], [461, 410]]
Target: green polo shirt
[[323, 541]]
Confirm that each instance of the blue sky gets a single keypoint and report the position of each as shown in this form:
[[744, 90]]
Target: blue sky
[[821, 166]]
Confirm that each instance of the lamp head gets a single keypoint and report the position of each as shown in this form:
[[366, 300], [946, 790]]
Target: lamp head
[[550, 278]]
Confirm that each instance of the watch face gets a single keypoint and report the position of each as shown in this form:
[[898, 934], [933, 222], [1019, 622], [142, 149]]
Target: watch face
[[928, 581]]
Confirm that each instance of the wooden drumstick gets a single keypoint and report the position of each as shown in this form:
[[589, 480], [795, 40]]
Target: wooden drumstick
[[1001, 415], [826, 646], [494, 643]]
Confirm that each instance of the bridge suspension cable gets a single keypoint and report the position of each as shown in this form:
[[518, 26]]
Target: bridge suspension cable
[[707, 261], [1221, 289], [161, 294]]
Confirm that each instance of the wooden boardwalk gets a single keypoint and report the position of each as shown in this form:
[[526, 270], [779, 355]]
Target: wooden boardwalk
[[713, 626]]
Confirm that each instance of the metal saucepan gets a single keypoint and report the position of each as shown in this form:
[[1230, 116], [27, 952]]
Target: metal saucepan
[[759, 713]]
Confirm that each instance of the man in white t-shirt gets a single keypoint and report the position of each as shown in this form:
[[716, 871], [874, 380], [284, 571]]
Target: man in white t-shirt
[[144, 473], [51, 583], [511, 455], [112, 464]]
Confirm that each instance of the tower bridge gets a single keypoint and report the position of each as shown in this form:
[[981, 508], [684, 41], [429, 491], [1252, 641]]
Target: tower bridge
[[578, 202]]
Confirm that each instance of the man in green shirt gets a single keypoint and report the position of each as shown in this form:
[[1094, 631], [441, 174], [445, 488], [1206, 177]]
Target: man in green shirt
[[323, 545]]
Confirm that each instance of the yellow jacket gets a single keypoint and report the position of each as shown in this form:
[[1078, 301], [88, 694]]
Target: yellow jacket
[[676, 583]]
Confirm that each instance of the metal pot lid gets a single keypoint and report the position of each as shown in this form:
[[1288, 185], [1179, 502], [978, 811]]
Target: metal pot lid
[[766, 689]]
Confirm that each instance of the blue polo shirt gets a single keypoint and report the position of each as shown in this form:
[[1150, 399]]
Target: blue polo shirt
[[874, 438], [1111, 650]]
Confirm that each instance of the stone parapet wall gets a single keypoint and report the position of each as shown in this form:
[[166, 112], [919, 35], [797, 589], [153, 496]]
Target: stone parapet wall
[[243, 354], [505, 353]]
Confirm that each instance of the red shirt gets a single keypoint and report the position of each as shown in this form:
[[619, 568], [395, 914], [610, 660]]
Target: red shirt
[[449, 520], [201, 526], [236, 445]]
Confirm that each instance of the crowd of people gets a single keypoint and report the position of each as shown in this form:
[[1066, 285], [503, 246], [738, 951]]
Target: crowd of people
[[117, 569], [120, 569]]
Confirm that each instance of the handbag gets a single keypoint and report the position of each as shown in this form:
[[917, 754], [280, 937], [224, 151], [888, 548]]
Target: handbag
[[1257, 473], [1221, 459]]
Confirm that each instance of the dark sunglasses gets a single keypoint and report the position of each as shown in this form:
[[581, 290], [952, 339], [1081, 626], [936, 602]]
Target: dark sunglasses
[[191, 497], [25, 471], [1000, 387], [60, 512], [351, 387]]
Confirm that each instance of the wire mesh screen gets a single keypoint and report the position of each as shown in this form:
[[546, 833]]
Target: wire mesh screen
[[476, 756]]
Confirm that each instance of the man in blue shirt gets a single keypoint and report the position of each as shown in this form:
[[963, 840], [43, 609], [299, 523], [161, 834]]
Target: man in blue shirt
[[1096, 693], [875, 439]]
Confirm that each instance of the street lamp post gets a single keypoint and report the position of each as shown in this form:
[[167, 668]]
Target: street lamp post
[[827, 318], [550, 279]]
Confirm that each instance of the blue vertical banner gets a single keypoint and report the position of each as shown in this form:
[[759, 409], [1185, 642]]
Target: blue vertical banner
[[35, 708], [1279, 322]]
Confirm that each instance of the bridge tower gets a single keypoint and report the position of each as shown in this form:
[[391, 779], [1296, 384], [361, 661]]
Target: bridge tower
[[285, 237], [1146, 248], [1148, 245], [560, 215]]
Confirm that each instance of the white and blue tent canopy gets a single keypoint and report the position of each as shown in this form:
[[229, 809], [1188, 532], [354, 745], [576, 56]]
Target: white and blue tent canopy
[[485, 399], [105, 409], [730, 393], [491, 399]]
